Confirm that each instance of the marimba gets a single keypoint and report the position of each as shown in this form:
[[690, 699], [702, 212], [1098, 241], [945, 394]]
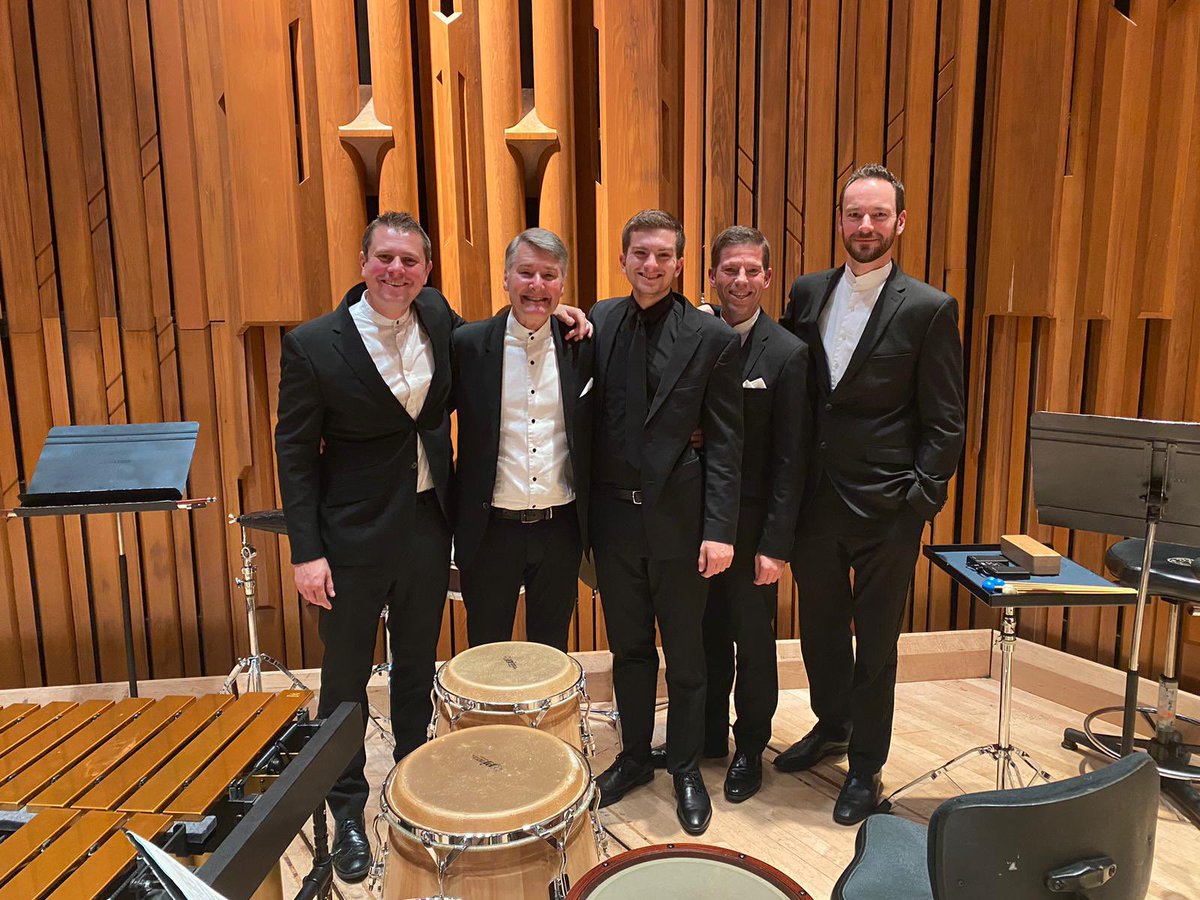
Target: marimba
[[183, 770]]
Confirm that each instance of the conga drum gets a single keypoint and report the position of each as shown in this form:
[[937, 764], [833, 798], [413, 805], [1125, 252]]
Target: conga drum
[[685, 872], [501, 812], [514, 683]]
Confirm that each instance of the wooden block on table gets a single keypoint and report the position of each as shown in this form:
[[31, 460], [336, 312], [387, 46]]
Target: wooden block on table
[[1030, 554]]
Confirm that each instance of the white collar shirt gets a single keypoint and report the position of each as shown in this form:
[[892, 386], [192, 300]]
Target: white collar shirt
[[403, 355], [533, 462], [743, 329], [844, 318]]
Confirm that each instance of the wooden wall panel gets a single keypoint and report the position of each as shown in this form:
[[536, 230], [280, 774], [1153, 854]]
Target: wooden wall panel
[[189, 179]]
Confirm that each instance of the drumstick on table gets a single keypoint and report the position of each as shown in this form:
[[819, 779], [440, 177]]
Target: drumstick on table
[[1000, 586]]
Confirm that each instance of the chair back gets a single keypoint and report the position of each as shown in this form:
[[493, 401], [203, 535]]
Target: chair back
[[1093, 832]]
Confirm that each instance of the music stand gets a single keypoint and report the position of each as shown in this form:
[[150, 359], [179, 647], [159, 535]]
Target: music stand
[[87, 470], [1119, 476]]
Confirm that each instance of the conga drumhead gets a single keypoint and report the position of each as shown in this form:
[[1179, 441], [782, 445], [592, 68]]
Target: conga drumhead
[[509, 672], [493, 779], [691, 871]]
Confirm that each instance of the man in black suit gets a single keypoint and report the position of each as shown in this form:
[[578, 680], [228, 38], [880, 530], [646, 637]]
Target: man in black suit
[[663, 516], [888, 430], [523, 396], [363, 443], [742, 599]]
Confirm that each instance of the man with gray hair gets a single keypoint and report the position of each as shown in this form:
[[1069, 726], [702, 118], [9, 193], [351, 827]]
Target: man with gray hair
[[523, 395]]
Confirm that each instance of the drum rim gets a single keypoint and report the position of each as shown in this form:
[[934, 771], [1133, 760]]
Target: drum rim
[[614, 864], [518, 837], [577, 689]]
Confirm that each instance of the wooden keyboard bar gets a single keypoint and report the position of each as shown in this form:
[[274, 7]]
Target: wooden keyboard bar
[[48, 868], [145, 760], [29, 838], [94, 878], [107, 757], [207, 787], [50, 737], [179, 771], [32, 724], [10, 715], [49, 766]]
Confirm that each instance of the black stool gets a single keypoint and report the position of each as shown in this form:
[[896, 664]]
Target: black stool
[[1175, 578]]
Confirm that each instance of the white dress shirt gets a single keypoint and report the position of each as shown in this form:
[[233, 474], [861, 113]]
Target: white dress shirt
[[743, 328], [533, 466], [403, 355], [845, 316]]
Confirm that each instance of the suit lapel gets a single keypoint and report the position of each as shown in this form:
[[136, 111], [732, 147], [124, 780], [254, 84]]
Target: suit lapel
[[493, 376], [568, 389], [686, 343], [889, 301], [811, 326], [758, 338], [430, 313], [348, 343]]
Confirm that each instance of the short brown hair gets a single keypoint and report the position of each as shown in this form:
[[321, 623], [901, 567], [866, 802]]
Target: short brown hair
[[736, 236], [402, 222], [875, 170], [653, 220]]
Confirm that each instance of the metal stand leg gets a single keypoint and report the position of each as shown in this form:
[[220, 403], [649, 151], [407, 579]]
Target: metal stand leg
[[126, 609], [1010, 760], [252, 665], [319, 881], [382, 723]]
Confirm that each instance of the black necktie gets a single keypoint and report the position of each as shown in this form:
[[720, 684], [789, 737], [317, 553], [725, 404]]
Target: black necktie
[[635, 394]]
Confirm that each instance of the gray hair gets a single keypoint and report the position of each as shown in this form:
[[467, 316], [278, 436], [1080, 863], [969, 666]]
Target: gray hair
[[541, 239]]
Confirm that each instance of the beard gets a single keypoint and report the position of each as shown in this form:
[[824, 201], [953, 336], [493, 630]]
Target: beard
[[871, 252]]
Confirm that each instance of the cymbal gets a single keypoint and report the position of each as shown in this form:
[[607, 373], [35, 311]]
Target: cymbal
[[271, 520]]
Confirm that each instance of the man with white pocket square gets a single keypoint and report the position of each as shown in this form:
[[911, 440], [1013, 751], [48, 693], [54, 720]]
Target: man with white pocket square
[[742, 599], [523, 395]]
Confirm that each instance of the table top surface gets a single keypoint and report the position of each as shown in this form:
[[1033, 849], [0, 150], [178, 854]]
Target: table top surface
[[952, 559]]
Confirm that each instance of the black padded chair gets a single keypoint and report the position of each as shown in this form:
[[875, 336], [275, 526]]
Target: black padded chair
[[1173, 579], [1091, 836]]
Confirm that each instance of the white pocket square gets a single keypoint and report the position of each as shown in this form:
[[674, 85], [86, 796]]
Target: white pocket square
[[587, 387], [757, 384]]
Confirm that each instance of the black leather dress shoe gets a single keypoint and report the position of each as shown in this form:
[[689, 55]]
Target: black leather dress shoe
[[744, 777], [351, 851], [692, 805], [858, 799], [658, 756], [810, 750], [621, 777]]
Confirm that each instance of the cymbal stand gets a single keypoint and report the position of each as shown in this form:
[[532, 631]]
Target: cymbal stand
[[378, 719], [252, 665]]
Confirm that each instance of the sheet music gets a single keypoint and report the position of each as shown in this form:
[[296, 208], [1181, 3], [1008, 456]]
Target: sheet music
[[182, 879]]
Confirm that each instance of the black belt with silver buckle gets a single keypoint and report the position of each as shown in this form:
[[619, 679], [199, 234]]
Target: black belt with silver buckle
[[524, 516], [634, 497]]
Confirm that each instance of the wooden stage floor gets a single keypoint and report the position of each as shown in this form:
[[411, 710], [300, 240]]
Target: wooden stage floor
[[788, 823]]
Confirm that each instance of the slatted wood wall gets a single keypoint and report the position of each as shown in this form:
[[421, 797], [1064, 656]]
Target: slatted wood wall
[[182, 180]]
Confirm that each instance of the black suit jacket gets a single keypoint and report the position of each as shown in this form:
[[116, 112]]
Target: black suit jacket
[[686, 497], [478, 384], [776, 429], [892, 431], [351, 501]]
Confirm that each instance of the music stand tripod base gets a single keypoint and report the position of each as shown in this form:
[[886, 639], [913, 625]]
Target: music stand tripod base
[[253, 664], [1009, 759]]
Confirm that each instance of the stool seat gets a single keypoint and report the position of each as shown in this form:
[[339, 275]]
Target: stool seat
[[1174, 571]]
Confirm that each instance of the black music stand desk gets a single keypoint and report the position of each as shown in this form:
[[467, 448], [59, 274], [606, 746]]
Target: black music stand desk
[[952, 559], [87, 470]]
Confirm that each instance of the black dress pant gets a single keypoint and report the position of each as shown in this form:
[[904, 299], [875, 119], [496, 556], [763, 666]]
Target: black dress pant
[[852, 684], [544, 556], [637, 590], [413, 585], [742, 613]]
